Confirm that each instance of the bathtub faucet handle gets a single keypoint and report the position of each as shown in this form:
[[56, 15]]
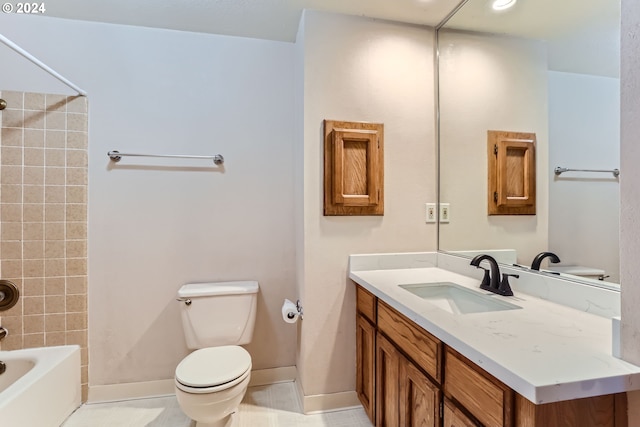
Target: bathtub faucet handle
[[3, 332]]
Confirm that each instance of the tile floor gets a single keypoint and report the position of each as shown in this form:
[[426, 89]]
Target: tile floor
[[274, 405]]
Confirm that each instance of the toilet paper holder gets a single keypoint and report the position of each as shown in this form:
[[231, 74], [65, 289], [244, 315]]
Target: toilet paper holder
[[299, 308]]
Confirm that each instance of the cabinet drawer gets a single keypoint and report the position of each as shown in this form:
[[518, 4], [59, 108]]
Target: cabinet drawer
[[422, 347], [366, 304], [489, 400]]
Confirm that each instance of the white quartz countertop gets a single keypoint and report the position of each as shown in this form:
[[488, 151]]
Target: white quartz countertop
[[545, 351]]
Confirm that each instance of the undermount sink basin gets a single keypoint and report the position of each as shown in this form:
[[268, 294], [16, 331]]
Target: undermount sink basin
[[457, 299]]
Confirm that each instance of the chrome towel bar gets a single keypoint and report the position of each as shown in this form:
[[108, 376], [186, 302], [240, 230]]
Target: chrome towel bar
[[558, 170], [116, 156]]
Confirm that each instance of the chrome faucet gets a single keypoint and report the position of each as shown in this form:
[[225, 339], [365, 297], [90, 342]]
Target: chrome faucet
[[535, 265], [491, 280]]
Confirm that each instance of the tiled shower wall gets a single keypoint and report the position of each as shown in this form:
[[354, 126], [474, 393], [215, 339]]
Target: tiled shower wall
[[43, 220]]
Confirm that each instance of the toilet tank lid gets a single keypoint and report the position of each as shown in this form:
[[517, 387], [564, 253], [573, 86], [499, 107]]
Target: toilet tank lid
[[191, 290]]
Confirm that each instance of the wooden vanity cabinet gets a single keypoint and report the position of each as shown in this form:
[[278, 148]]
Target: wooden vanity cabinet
[[406, 377]]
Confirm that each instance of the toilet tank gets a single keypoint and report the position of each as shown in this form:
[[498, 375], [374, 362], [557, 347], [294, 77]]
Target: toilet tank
[[218, 313]]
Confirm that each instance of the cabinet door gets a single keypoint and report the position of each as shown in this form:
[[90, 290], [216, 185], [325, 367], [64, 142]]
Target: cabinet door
[[353, 168], [387, 372], [512, 173], [453, 417], [365, 364], [419, 402]]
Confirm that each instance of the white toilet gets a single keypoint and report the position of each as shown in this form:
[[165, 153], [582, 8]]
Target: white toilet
[[212, 380]]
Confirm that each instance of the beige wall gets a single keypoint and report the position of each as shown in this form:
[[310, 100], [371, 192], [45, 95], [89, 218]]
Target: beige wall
[[359, 69], [629, 194], [490, 83], [584, 213], [43, 212], [157, 225]]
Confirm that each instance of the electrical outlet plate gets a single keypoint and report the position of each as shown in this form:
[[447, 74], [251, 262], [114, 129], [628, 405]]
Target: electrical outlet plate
[[430, 212], [445, 212]]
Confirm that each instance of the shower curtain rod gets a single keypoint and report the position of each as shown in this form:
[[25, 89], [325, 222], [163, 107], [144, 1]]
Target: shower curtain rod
[[41, 64]]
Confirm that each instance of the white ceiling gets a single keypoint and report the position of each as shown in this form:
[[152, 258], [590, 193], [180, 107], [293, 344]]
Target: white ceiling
[[583, 35], [538, 19], [264, 19]]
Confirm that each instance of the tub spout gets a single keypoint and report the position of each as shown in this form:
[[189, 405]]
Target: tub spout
[[3, 332]]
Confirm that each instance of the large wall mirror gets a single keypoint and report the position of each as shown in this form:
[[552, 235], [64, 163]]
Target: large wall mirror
[[551, 68]]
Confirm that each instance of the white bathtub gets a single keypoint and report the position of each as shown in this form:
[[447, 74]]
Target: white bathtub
[[41, 386]]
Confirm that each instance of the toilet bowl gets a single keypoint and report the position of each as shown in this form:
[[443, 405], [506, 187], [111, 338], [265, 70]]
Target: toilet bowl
[[211, 382]]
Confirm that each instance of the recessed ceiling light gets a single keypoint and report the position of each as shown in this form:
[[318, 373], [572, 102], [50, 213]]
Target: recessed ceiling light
[[503, 4]]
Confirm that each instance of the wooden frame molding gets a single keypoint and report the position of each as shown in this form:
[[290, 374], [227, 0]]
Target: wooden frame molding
[[512, 173], [353, 168]]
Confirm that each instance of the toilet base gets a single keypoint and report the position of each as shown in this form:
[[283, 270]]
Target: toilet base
[[229, 421]]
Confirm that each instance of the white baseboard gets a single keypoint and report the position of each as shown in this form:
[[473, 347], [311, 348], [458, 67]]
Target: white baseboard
[[311, 404], [273, 376], [146, 389], [318, 403], [128, 391]]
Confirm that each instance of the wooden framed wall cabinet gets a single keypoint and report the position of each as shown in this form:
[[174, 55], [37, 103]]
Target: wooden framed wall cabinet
[[353, 168], [512, 173]]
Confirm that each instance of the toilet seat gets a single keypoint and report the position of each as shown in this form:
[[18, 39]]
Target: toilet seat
[[213, 369]]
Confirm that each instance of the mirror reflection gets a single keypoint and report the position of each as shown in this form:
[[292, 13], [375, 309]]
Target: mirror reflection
[[545, 67]]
